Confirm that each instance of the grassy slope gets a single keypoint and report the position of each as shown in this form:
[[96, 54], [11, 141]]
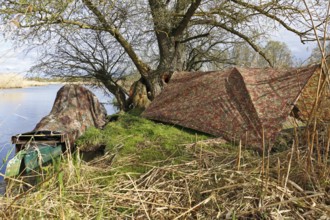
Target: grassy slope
[[147, 141], [158, 171]]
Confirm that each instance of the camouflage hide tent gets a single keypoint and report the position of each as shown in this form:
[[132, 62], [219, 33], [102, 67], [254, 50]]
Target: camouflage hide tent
[[239, 104], [75, 109]]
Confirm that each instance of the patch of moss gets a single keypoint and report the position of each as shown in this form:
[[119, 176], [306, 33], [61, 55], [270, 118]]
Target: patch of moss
[[143, 141], [91, 139]]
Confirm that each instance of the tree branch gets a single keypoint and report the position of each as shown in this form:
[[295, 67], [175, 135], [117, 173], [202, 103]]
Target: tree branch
[[239, 34], [267, 14], [186, 18], [194, 37], [142, 67]]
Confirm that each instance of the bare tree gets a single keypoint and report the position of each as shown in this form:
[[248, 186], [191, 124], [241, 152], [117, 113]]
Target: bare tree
[[89, 56], [160, 36], [244, 56], [278, 53], [316, 55]]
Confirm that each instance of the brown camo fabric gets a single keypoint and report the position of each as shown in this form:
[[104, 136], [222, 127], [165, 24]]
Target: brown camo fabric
[[237, 104], [75, 109], [307, 99]]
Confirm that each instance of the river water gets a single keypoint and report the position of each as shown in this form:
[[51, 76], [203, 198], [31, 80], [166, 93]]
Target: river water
[[22, 109]]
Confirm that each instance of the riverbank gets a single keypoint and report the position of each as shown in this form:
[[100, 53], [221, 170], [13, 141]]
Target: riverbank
[[10, 81], [156, 171]]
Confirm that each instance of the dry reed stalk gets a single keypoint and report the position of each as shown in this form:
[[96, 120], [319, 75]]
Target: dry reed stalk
[[288, 172], [267, 168], [326, 155], [309, 161], [136, 190], [239, 155], [296, 139], [323, 87], [279, 177], [318, 150], [262, 183], [204, 202]]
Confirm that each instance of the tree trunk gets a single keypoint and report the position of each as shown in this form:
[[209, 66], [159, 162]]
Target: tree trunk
[[138, 95], [117, 90], [155, 84], [171, 53], [122, 100]]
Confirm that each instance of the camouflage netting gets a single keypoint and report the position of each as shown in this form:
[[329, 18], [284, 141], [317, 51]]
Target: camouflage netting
[[75, 109], [235, 104], [307, 99]]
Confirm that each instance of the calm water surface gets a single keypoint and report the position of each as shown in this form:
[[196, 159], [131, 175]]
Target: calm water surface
[[22, 109]]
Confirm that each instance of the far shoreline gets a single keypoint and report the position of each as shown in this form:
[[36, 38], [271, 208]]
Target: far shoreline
[[33, 84], [17, 81]]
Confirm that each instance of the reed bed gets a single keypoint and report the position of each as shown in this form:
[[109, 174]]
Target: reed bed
[[216, 182], [8, 81]]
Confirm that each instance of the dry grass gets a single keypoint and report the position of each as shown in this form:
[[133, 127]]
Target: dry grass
[[211, 184], [17, 81]]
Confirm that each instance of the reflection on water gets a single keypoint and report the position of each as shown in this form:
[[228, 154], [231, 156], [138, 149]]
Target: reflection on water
[[22, 109], [11, 96]]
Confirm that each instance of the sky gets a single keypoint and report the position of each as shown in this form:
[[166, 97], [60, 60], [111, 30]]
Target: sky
[[16, 60], [299, 50]]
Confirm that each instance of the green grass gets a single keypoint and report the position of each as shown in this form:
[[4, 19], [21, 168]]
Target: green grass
[[144, 140]]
